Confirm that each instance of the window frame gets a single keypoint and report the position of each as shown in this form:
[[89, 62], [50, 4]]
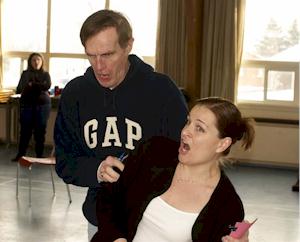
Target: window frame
[[274, 66], [23, 55], [272, 108]]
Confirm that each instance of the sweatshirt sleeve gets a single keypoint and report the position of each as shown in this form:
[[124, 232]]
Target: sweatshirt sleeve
[[74, 163]]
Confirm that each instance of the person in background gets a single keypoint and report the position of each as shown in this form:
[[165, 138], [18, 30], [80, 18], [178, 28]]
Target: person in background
[[119, 102], [170, 191], [35, 105]]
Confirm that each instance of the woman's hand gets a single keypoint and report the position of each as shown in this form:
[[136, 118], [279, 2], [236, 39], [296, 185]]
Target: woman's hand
[[120, 240], [228, 238]]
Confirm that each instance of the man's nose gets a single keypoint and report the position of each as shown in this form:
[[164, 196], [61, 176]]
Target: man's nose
[[100, 63]]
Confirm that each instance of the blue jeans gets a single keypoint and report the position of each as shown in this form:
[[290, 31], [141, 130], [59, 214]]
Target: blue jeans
[[33, 120]]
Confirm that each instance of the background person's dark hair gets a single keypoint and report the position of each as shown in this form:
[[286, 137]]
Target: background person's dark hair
[[103, 19], [229, 121], [29, 65]]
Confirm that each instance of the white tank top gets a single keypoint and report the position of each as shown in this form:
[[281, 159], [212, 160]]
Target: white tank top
[[163, 223]]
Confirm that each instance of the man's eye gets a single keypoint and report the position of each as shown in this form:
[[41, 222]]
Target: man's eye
[[107, 54], [91, 56]]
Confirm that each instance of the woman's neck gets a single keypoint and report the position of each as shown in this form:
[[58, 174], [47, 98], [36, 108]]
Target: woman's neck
[[202, 174]]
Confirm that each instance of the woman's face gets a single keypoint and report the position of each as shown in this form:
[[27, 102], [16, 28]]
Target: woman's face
[[199, 138], [36, 62]]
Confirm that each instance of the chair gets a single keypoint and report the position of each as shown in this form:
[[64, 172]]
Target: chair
[[28, 161]]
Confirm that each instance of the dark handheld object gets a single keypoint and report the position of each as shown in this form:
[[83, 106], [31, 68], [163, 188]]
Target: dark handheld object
[[121, 158]]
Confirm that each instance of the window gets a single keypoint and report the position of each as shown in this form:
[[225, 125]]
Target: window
[[60, 43], [143, 19], [12, 67], [20, 29], [268, 81], [65, 25], [269, 75]]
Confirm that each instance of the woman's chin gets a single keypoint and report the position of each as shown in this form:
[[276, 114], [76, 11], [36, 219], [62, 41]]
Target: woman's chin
[[182, 158]]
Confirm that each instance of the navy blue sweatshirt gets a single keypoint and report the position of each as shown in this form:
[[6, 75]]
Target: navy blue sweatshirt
[[94, 122]]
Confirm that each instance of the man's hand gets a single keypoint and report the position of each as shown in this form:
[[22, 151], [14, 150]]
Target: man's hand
[[106, 170]]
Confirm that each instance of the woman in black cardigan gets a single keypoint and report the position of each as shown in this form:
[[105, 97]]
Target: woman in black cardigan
[[178, 192], [35, 105]]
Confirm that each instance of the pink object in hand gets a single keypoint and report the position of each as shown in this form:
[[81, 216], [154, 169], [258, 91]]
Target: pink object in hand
[[241, 229]]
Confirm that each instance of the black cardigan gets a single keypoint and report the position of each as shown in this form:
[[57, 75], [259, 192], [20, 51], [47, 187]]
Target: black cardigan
[[148, 173], [33, 87]]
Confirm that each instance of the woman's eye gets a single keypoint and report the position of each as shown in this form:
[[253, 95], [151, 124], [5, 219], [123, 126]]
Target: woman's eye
[[199, 129]]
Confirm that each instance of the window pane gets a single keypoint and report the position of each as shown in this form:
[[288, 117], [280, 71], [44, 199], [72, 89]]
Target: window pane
[[281, 85], [62, 70], [274, 33], [24, 30], [143, 19], [251, 84], [11, 72], [67, 18]]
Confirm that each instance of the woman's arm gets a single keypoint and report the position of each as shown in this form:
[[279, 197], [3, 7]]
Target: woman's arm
[[110, 214], [112, 200], [42, 81], [22, 82]]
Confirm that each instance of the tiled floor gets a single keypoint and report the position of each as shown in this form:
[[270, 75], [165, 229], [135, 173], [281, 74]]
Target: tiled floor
[[266, 194]]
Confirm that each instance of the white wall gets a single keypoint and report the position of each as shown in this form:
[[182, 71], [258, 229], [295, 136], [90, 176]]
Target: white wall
[[2, 122], [276, 144], [50, 128]]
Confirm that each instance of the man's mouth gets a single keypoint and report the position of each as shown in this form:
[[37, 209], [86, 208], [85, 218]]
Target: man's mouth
[[103, 77]]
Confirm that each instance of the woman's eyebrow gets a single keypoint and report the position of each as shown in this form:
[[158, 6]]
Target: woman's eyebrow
[[201, 121]]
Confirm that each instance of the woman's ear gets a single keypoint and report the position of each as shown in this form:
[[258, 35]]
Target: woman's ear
[[224, 144]]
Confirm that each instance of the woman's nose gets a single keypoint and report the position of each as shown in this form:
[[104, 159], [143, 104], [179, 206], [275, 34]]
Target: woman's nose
[[185, 131]]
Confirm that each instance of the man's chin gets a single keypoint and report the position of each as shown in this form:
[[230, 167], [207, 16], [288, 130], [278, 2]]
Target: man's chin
[[105, 83]]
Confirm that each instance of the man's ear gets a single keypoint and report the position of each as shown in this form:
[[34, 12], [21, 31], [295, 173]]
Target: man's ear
[[224, 144], [129, 45]]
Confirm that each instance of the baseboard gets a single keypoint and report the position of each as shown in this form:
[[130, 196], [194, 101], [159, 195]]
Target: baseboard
[[267, 164]]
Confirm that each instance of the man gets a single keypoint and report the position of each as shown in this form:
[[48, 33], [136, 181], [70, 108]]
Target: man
[[118, 103]]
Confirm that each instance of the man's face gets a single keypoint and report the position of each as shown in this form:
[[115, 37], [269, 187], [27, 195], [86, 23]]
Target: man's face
[[108, 60]]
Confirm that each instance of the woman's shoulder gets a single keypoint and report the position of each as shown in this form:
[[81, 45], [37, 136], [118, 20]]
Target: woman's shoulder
[[228, 194], [225, 184], [25, 73]]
